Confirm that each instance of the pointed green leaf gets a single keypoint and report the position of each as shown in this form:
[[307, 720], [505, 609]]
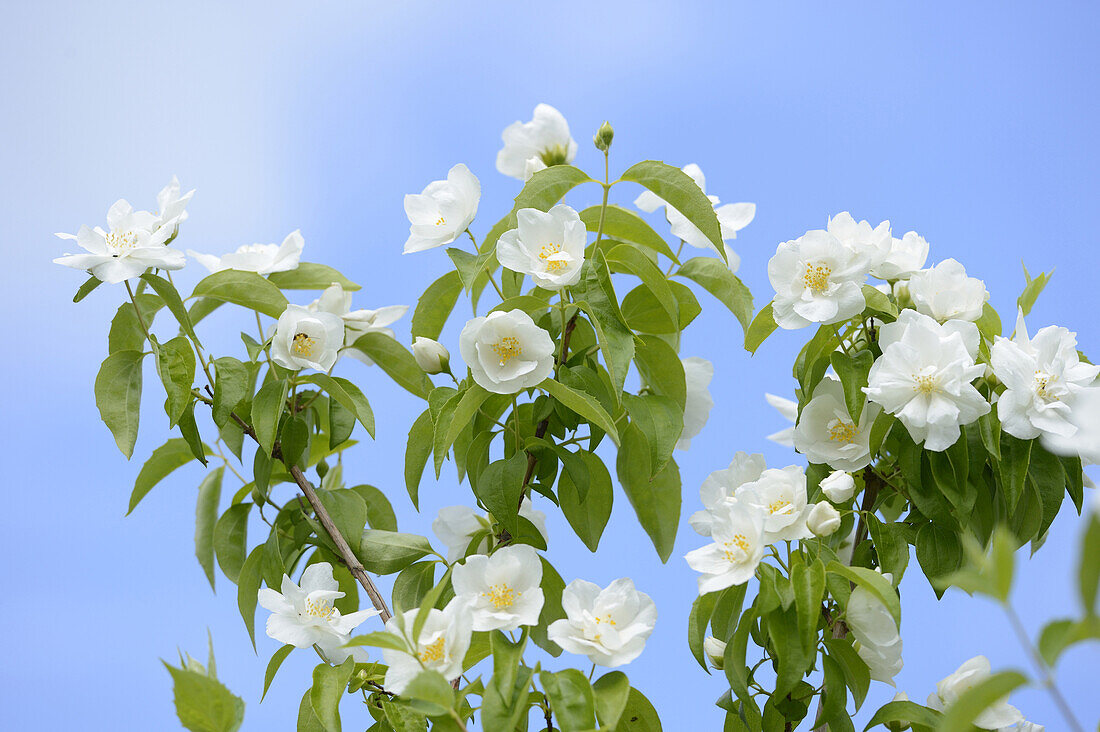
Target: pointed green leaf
[[681, 192], [118, 397], [395, 360], [311, 276], [206, 515], [715, 277], [246, 289]]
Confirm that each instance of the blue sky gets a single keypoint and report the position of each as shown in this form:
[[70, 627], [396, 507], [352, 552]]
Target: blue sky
[[972, 123]]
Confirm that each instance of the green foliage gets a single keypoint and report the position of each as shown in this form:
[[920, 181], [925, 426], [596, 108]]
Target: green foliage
[[203, 704], [118, 397], [246, 289], [311, 276]]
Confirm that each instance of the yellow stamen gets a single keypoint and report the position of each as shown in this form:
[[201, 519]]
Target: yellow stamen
[[926, 384], [501, 596], [303, 345], [1042, 381], [607, 620], [121, 239], [779, 506], [433, 653], [840, 431], [816, 277], [548, 251], [739, 541], [440, 221], [320, 609], [508, 348]]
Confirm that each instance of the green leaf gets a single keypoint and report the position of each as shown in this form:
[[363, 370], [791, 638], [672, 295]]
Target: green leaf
[[660, 367], [118, 397], [639, 715], [248, 586], [808, 583], [890, 545], [416, 454], [874, 583], [500, 487], [1046, 473], [435, 306], [85, 289], [960, 716], [1031, 292], [716, 278], [402, 717], [206, 515], [989, 323], [380, 513], [905, 712], [307, 720], [329, 683], [587, 516], [411, 585], [163, 461], [341, 423], [1015, 457], [853, 371], [698, 620], [762, 326], [598, 301], [645, 313], [1059, 635], [380, 639], [230, 387], [625, 225], [661, 420], [273, 667], [542, 190], [656, 498], [447, 431], [267, 409], [572, 699], [856, 674], [126, 333], [246, 289], [879, 302], [348, 511], [230, 540], [612, 692], [682, 193], [385, 552], [938, 551], [311, 276], [432, 692], [190, 431], [582, 404], [347, 394], [1088, 575], [989, 427], [203, 704], [171, 298], [176, 366], [395, 360], [625, 258]]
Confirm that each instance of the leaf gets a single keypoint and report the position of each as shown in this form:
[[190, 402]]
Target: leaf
[[85, 289], [905, 712], [273, 667], [616, 340], [246, 289], [230, 388], [230, 540], [176, 366], [402, 717], [435, 306], [856, 674], [661, 420], [1031, 292], [311, 276], [625, 258], [808, 583], [411, 585], [386, 552], [1015, 456], [171, 298], [203, 704], [960, 716], [762, 326], [701, 611], [347, 394], [625, 225], [639, 715], [716, 278], [989, 323], [645, 313], [582, 404], [612, 692], [380, 513], [329, 683], [571, 698], [1059, 635], [395, 360], [416, 454], [938, 551], [206, 514], [874, 583], [655, 498], [341, 423], [1088, 575], [853, 371], [348, 511], [163, 461], [447, 431], [587, 516], [118, 397], [500, 487], [682, 193], [660, 367], [879, 303], [267, 409], [248, 586], [189, 429]]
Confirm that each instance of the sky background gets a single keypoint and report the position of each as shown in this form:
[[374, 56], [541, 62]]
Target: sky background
[[972, 123]]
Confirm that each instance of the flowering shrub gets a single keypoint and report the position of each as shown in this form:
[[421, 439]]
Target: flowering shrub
[[920, 423]]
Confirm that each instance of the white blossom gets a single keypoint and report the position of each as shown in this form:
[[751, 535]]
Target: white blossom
[[788, 410], [878, 641], [970, 674], [1023, 727], [506, 351], [305, 615], [502, 590], [431, 356], [738, 546], [456, 527], [720, 489], [441, 646], [827, 434], [697, 405], [944, 292], [133, 242], [609, 625], [1085, 440], [443, 210], [715, 651], [547, 246], [907, 255], [357, 323], [838, 486], [817, 279], [1042, 376], [259, 258], [871, 243], [305, 339], [822, 519], [732, 217], [779, 494], [924, 377], [172, 206], [545, 139]]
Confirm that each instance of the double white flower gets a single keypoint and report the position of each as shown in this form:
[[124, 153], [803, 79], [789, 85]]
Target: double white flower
[[779, 495], [720, 489], [549, 247], [944, 292], [698, 402], [970, 674], [262, 259], [1042, 376], [501, 590], [732, 217], [441, 645], [817, 279], [878, 641], [456, 527], [305, 615], [738, 532], [532, 146], [874, 244], [357, 323], [609, 625], [1085, 440], [506, 351], [443, 210], [826, 432], [305, 339], [924, 377], [907, 255]]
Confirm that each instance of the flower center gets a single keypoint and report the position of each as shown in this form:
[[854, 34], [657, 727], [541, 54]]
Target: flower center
[[501, 597], [322, 609], [433, 653], [841, 431], [1042, 382], [440, 221], [547, 251], [816, 277], [780, 505], [736, 549], [555, 155], [925, 383], [606, 619], [303, 345], [508, 348], [121, 240]]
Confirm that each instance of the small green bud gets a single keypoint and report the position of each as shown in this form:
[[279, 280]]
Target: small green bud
[[322, 469], [603, 137]]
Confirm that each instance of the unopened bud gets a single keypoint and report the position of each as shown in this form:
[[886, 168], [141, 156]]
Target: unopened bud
[[603, 137], [838, 486], [823, 519], [430, 355], [715, 651]]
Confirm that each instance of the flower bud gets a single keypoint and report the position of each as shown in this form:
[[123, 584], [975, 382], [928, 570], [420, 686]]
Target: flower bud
[[603, 137], [715, 651], [898, 726], [431, 355], [823, 519], [838, 486]]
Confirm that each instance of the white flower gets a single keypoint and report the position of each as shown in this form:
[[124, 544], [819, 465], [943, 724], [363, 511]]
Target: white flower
[[923, 377], [823, 519], [720, 489], [826, 432], [441, 646], [970, 674], [1024, 727], [1085, 441], [357, 323], [737, 549], [431, 356], [780, 496], [733, 259], [838, 486], [697, 405], [547, 246], [506, 351], [171, 206], [878, 641], [305, 339], [134, 242], [443, 210], [944, 292], [1042, 376], [788, 410], [259, 258], [545, 138], [817, 279], [907, 255], [732, 217], [872, 243], [608, 625], [531, 166], [456, 526], [305, 616], [715, 651], [501, 590]]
